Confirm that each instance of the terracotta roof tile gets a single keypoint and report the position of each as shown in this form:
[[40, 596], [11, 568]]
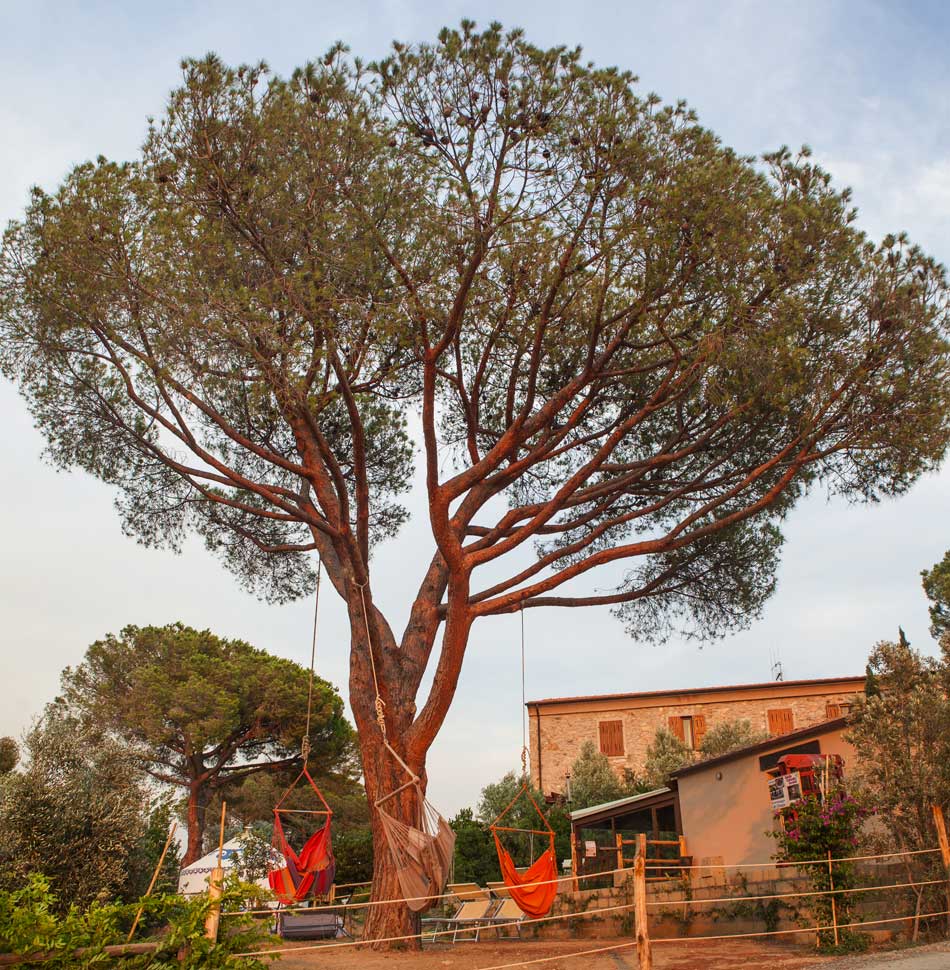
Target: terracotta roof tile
[[701, 690]]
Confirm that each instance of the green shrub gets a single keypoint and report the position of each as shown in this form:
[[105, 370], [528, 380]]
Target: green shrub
[[33, 922]]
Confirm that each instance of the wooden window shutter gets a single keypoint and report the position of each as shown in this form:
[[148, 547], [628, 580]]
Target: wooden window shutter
[[611, 738], [781, 721], [699, 729], [676, 728], [832, 710]]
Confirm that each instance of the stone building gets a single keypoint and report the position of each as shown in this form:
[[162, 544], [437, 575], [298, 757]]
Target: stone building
[[720, 808], [622, 726]]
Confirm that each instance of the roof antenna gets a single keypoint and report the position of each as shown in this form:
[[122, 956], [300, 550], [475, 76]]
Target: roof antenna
[[777, 672]]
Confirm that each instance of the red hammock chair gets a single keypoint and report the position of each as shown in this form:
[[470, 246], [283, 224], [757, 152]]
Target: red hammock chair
[[535, 889], [309, 872]]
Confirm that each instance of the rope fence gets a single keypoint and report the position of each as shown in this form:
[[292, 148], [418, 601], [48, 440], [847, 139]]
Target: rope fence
[[806, 862], [330, 907], [702, 939], [817, 892], [431, 935]]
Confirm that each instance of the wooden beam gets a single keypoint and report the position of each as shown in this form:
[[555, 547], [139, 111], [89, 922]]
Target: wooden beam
[[119, 950], [216, 886], [151, 885], [644, 953]]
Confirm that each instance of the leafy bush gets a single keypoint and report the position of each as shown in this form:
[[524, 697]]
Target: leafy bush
[[32, 921], [901, 733], [811, 829], [148, 850], [728, 736], [594, 781], [353, 850], [74, 813]]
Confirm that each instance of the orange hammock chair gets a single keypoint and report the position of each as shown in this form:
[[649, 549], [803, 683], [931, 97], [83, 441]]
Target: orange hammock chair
[[309, 872], [535, 889]]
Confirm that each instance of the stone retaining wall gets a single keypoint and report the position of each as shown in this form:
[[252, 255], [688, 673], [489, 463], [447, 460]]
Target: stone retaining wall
[[676, 908]]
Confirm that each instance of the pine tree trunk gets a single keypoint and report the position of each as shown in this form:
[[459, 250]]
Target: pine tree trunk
[[197, 810], [383, 774], [386, 922]]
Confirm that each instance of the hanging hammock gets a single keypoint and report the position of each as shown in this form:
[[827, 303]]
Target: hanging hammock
[[311, 871], [317, 852], [290, 885], [422, 853], [535, 889]]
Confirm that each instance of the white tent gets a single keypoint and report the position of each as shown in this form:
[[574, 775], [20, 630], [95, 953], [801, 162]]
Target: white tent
[[194, 879]]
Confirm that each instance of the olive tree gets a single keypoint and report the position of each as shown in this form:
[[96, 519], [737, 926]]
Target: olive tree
[[621, 350]]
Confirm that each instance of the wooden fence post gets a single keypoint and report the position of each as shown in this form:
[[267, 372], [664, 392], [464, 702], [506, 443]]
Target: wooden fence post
[[834, 909], [575, 883], [619, 851], [644, 954], [151, 885], [941, 827], [216, 887]]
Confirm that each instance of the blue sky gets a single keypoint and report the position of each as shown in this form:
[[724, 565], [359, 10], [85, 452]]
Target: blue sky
[[865, 84]]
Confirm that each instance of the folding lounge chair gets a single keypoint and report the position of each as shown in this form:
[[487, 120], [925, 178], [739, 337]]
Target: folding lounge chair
[[460, 892], [472, 916], [507, 914]]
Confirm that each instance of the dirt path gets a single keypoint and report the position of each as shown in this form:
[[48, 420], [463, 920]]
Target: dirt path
[[557, 955], [935, 956]]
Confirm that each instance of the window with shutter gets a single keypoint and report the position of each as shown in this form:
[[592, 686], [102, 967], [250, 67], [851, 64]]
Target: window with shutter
[[832, 710], [611, 738], [781, 721], [676, 728], [699, 730]]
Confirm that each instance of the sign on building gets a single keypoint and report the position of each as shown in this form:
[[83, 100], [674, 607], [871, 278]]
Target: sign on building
[[784, 790]]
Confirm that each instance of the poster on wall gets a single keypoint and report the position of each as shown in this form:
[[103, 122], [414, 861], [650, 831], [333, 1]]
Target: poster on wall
[[785, 789], [590, 850]]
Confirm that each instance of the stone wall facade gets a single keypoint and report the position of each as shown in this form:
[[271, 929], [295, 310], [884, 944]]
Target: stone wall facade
[[559, 728]]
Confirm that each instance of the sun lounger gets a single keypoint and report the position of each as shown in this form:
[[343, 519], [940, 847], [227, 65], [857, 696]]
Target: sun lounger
[[509, 914], [461, 892], [471, 917]]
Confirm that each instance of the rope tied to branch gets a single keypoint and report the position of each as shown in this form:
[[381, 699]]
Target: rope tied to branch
[[379, 704], [305, 740], [524, 727]]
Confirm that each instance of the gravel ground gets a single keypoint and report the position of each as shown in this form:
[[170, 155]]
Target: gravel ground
[[934, 956], [564, 955], [559, 955]]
